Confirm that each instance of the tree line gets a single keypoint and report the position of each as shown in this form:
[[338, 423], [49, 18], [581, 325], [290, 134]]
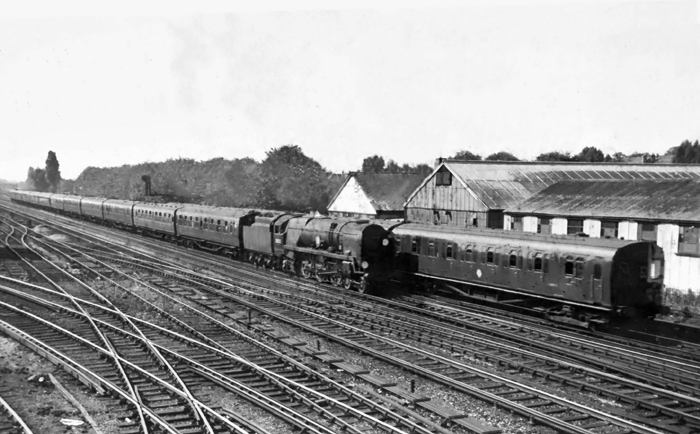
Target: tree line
[[286, 179]]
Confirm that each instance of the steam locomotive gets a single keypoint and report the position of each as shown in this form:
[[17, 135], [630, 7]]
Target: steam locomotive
[[576, 279], [349, 253]]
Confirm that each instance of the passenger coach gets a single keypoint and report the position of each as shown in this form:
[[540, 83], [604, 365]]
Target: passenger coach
[[592, 277]]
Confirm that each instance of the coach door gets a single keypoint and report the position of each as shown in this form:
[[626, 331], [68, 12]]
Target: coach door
[[597, 281]]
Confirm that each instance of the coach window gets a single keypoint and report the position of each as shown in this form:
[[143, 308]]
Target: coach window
[[597, 271], [489, 255], [513, 259], [569, 266], [448, 251], [415, 247], [431, 249], [580, 263], [538, 263], [469, 254]]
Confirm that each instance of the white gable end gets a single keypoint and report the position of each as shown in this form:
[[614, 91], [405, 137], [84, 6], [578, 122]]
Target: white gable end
[[352, 199]]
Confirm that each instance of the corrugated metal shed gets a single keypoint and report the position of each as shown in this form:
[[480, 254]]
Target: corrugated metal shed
[[502, 185], [658, 200]]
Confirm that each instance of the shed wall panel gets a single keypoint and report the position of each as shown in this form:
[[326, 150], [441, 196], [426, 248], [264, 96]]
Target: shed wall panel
[[559, 226], [592, 228], [507, 219], [627, 230], [451, 197], [530, 224], [681, 272]]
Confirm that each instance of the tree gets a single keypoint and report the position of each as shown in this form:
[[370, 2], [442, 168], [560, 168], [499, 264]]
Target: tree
[[36, 179], [392, 167], [466, 155], [423, 169], [243, 178], [373, 164], [53, 174], [555, 156], [292, 181], [617, 157], [502, 156], [687, 153], [590, 154]]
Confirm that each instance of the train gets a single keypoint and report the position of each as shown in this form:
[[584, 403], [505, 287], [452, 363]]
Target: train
[[572, 279]]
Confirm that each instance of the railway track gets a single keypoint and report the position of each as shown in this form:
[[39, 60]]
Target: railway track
[[341, 399], [378, 347], [10, 421], [312, 320]]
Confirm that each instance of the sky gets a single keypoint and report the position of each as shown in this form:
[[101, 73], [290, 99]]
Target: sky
[[343, 80]]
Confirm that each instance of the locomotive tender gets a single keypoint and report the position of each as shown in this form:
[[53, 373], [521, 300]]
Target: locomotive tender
[[576, 279]]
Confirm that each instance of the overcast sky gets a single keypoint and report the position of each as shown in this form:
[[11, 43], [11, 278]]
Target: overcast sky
[[111, 87]]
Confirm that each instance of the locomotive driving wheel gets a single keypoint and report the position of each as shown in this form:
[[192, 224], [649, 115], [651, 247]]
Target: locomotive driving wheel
[[347, 283], [306, 269], [362, 287], [336, 279]]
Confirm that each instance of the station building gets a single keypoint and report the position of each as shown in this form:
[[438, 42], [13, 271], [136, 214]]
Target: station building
[[373, 195], [631, 201]]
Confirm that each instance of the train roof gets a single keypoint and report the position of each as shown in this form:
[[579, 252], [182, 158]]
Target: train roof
[[215, 210], [153, 205], [484, 235], [120, 202]]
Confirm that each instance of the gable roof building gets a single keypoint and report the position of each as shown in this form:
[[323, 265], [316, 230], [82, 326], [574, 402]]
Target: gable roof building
[[476, 193], [373, 195]]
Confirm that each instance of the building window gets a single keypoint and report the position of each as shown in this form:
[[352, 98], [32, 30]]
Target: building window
[[688, 241], [608, 229], [574, 226], [647, 231], [443, 178], [516, 223], [544, 226]]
